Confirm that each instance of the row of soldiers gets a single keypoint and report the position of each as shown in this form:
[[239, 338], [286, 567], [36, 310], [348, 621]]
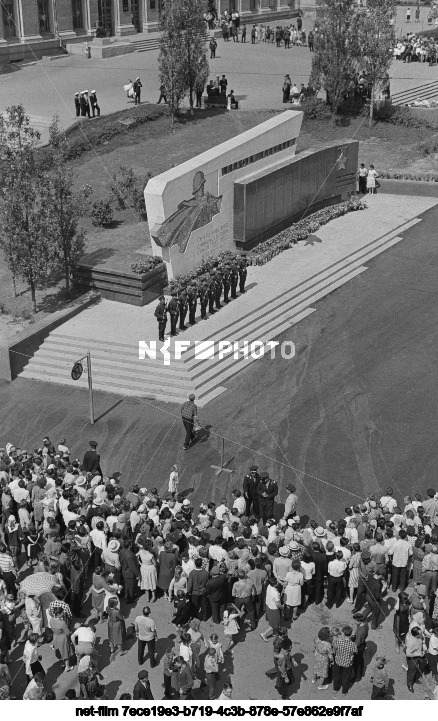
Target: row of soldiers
[[223, 280]]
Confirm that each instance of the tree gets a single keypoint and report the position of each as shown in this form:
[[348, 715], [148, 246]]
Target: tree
[[23, 237], [336, 54], [374, 34], [64, 206], [182, 49]]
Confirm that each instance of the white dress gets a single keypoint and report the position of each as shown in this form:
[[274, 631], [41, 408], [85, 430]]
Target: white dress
[[371, 178], [148, 571], [173, 482]]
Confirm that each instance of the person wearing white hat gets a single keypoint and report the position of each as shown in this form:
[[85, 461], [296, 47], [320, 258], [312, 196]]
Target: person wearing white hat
[[110, 558], [282, 564], [94, 104]]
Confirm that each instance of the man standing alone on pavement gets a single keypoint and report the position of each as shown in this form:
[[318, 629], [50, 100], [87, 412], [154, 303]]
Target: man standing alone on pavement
[[137, 91], [189, 413], [146, 633]]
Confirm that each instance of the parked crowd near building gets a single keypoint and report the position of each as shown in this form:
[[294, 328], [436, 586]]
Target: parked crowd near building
[[78, 550]]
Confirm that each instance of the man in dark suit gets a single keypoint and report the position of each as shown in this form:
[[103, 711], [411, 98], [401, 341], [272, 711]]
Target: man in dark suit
[[267, 489], [217, 591], [130, 572], [142, 689], [91, 460], [173, 310], [161, 316], [320, 560], [250, 483]]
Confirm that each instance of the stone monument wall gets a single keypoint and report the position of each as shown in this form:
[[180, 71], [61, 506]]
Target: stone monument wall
[[191, 207]]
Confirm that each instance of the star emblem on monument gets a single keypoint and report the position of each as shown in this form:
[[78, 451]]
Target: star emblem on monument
[[341, 161]]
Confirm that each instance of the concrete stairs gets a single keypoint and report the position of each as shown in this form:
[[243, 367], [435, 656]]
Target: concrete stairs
[[152, 43], [117, 368], [428, 91]]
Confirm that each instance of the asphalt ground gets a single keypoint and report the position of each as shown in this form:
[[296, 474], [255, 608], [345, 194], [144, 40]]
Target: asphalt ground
[[354, 411]]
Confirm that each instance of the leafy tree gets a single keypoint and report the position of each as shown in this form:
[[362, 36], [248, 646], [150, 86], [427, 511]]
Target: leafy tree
[[335, 59], [171, 59], [182, 49], [374, 34], [128, 190], [23, 236], [64, 206]]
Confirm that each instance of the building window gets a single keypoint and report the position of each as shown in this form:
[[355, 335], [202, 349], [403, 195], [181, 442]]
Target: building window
[[78, 20], [254, 5], [10, 29], [44, 16], [152, 4]]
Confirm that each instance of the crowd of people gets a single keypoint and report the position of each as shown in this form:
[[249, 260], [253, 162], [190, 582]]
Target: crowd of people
[[72, 537], [416, 49], [86, 104]]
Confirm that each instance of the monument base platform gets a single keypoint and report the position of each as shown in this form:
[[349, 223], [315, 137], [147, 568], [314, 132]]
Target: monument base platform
[[110, 273], [304, 274]]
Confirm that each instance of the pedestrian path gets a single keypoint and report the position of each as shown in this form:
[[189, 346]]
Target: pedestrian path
[[279, 295]]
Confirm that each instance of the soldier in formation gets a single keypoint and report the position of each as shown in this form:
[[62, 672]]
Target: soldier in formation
[[222, 280]]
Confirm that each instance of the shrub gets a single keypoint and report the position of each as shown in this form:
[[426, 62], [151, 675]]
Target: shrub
[[127, 190], [149, 262], [400, 175], [315, 109], [404, 116], [102, 212]]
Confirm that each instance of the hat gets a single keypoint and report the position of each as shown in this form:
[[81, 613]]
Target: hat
[[186, 502], [98, 501], [293, 546], [51, 467], [290, 487], [434, 549], [142, 675], [93, 444], [421, 589], [365, 555], [81, 481], [76, 93], [113, 545], [264, 474], [253, 468], [284, 551], [93, 91], [215, 571], [319, 531]]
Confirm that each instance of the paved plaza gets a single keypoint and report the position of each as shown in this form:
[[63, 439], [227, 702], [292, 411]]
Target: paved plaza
[[254, 72]]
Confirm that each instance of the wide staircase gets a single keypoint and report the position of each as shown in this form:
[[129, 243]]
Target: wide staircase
[[152, 43], [117, 368], [428, 91]]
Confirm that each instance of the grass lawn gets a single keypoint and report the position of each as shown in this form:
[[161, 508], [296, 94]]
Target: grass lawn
[[151, 144]]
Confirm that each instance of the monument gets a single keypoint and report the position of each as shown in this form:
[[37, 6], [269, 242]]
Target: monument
[[191, 207], [244, 191]]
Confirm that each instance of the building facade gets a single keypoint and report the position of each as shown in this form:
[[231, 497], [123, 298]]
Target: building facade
[[36, 21]]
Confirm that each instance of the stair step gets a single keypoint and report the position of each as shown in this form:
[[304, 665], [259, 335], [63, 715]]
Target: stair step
[[218, 369], [232, 330], [286, 302]]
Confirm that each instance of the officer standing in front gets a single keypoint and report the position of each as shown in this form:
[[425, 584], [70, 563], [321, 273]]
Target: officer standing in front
[[267, 489], [250, 483], [161, 316], [226, 283], [234, 276], [203, 298], [211, 294], [193, 302], [218, 289], [183, 308], [173, 309], [242, 273]]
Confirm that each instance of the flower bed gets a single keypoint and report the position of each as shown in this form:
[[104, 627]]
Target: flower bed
[[301, 230], [272, 247], [147, 264]]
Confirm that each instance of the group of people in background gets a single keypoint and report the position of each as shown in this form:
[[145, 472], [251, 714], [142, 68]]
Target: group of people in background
[[86, 104]]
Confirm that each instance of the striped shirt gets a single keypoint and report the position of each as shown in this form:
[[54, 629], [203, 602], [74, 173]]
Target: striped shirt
[[6, 563]]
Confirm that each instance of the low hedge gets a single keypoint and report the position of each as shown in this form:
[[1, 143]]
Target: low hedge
[[399, 175]]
